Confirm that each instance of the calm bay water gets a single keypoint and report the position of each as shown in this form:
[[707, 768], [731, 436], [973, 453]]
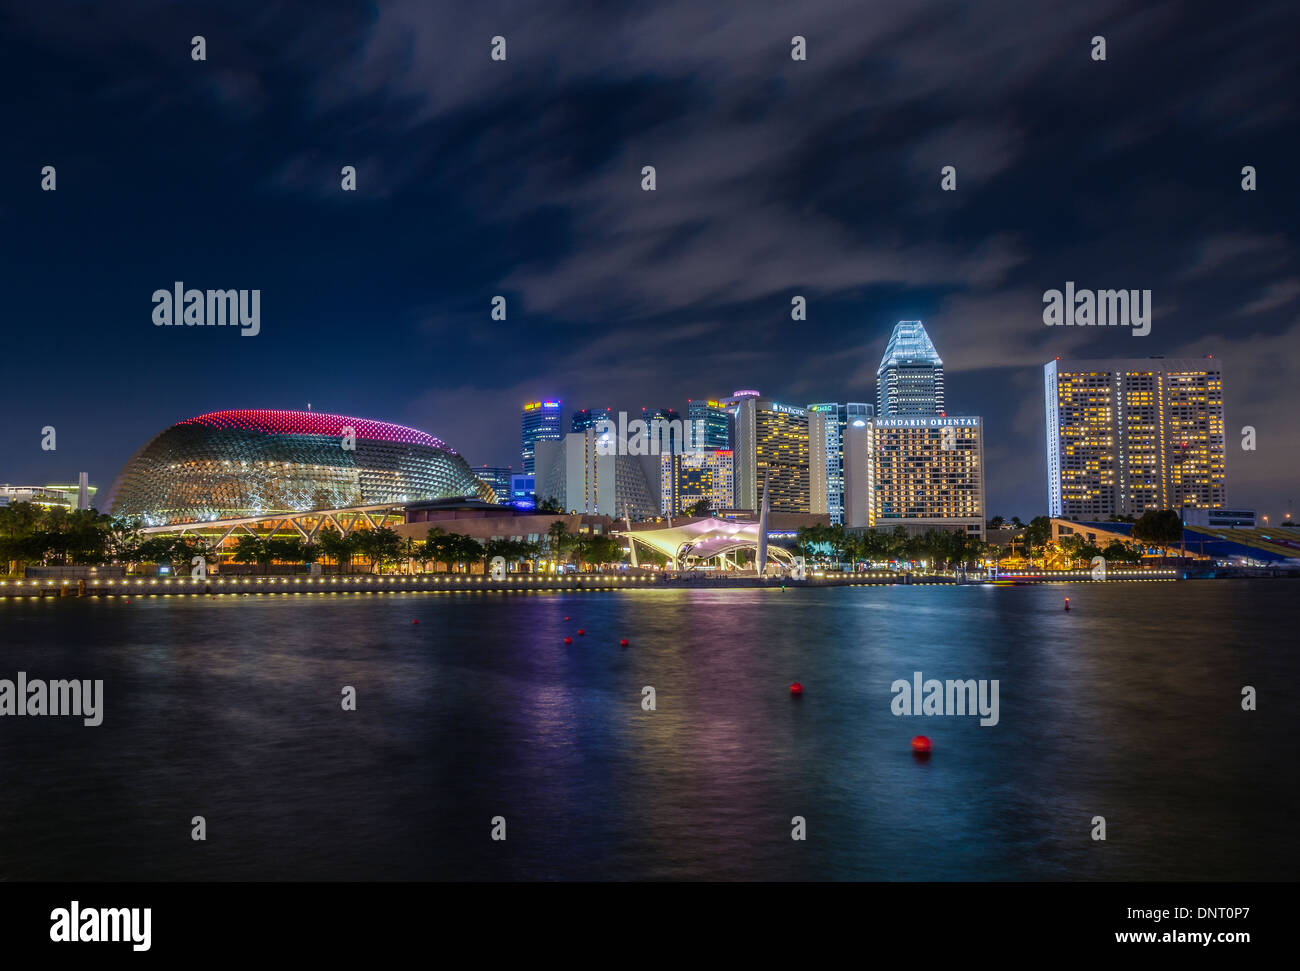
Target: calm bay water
[[1126, 707]]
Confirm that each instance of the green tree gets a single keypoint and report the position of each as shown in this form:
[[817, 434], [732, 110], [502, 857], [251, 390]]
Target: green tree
[[252, 549], [1163, 529]]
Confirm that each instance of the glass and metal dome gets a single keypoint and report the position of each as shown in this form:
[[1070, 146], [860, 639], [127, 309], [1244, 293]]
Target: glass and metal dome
[[235, 464]]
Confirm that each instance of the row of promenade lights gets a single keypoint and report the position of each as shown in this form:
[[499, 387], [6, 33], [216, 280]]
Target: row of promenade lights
[[482, 579]]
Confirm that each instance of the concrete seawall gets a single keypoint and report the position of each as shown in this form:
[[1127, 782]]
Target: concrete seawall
[[465, 583]]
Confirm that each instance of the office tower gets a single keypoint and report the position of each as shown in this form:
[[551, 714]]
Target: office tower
[[541, 423], [929, 472], [585, 478], [910, 378], [710, 414], [771, 437], [496, 477], [1125, 436], [826, 449], [588, 417], [686, 479]]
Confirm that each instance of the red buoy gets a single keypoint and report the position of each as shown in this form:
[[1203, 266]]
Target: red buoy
[[796, 688], [623, 642], [581, 632], [566, 618], [1067, 603], [415, 622], [921, 744], [568, 640]]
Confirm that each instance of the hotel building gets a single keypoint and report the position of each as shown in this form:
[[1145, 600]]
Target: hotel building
[[1126, 436], [771, 441], [929, 473]]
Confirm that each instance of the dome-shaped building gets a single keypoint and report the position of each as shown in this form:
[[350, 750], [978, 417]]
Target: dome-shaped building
[[236, 464]]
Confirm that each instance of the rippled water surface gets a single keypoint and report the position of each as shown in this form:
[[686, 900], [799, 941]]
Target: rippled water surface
[[1127, 707]]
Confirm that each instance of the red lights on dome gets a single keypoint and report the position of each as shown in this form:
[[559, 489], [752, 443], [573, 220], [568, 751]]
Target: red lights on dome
[[314, 423]]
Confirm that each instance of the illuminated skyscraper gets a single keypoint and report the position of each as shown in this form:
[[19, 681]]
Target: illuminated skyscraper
[[1125, 436], [910, 378], [588, 417], [771, 437], [929, 472], [827, 422], [687, 478], [716, 422], [541, 423]]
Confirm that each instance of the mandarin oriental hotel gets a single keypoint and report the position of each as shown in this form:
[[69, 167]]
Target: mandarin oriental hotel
[[929, 471]]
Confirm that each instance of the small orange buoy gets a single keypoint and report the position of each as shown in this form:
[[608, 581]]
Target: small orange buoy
[[568, 640], [921, 744], [623, 642], [796, 688], [566, 618], [581, 632]]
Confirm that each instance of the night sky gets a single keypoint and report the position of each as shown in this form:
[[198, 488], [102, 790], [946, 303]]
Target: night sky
[[522, 178]]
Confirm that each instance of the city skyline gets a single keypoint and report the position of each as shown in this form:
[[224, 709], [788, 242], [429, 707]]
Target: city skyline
[[624, 298]]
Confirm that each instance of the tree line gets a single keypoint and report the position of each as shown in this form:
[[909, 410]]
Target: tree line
[[56, 536]]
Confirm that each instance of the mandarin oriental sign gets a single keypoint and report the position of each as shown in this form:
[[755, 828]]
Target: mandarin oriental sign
[[927, 422]]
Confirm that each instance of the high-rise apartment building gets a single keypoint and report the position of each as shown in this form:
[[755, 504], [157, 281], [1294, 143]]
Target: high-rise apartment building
[[540, 423], [1125, 436], [909, 380]]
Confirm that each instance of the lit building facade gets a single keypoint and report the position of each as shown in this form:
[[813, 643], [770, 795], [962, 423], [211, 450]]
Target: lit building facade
[[909, 380], [589, 417], [687, 478], [233, 464], [928, 472], [710, 414], [827, 425], [540, 423], [1127, 436], [771, 442], [68, 497], [497, 478], [582, 477]]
